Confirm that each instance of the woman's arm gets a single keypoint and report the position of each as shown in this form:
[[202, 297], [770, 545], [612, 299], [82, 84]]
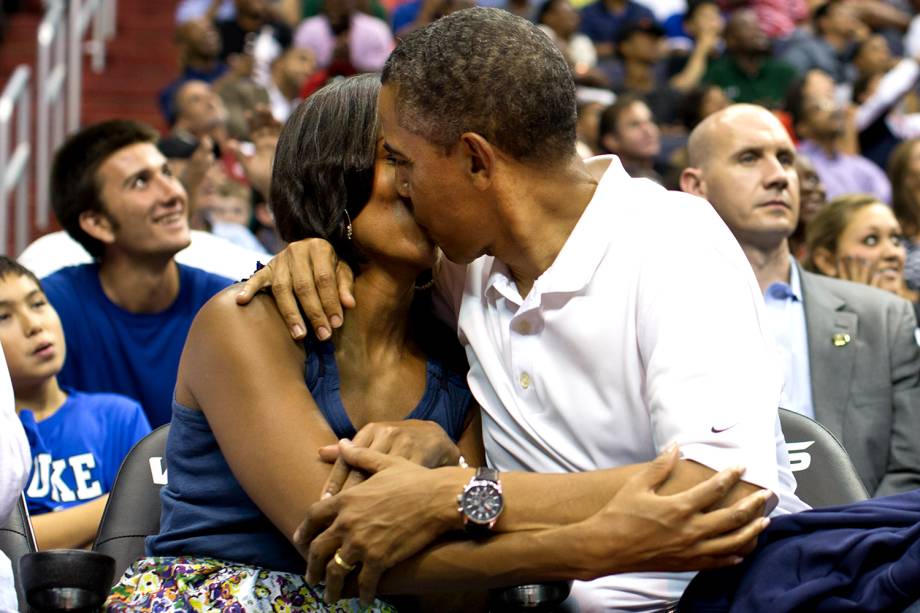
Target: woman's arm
[[894, 85], [241, 368]]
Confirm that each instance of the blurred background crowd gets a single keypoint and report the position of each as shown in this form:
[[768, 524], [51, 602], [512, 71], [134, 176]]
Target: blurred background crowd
[[840, 74]]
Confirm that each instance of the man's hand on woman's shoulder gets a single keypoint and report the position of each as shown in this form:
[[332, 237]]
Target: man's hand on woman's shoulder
[[307, 272]]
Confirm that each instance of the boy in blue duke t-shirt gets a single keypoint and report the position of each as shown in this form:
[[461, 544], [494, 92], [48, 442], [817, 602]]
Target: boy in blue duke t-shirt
[[78, 440]]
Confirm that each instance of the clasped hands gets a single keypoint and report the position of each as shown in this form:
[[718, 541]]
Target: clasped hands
[[403, 507], [373, 525]]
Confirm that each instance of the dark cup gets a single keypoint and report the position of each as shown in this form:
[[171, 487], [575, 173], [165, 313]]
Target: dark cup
[[66, 579]]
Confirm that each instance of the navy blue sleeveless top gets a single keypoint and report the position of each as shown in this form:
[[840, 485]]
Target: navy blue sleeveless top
[[205, 511]]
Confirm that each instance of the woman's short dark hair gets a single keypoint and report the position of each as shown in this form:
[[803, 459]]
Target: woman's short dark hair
[[324, 164], [74, 185]]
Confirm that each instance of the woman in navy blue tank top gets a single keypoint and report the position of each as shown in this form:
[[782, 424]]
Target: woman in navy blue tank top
[[252, 407]]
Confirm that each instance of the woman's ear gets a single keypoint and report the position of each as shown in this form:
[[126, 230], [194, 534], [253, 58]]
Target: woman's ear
[[825, 261]]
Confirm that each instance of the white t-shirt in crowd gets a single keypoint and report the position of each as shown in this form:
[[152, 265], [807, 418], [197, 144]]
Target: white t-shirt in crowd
[[647, 329], [213, 254], [15, 465]]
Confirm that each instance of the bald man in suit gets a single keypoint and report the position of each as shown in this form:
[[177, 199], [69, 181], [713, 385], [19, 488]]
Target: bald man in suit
[[849, 352]]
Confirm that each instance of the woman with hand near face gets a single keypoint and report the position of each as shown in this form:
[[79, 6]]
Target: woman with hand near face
[[858, 238]]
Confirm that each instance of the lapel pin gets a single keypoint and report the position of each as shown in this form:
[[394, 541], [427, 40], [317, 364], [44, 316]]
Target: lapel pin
[[841, 339]]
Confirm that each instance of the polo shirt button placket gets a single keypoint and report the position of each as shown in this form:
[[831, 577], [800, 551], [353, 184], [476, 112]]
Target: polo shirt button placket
[[522, 327], [525, 380]]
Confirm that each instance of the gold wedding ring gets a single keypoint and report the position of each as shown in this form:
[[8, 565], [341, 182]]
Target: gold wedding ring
[[341, 562]]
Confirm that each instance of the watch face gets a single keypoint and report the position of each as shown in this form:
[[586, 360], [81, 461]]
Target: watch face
[[482, 503]]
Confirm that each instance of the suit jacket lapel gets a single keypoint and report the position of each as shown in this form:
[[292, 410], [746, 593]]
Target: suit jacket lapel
[[831, 366]]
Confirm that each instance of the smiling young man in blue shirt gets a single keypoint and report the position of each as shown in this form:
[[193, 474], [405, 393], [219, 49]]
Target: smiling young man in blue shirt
[[127, 314]]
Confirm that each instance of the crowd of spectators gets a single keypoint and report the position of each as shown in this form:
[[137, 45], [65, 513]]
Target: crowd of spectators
[[816, 175], [841, 75]]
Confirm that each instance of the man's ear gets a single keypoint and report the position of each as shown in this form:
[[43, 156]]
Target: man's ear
[[825, 261], [98, 225], [691, 181], [481, 159]]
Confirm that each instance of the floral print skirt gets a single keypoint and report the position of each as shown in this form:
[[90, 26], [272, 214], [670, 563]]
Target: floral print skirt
[[204, 584]]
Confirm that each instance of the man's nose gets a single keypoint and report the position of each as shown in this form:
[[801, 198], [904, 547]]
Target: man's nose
[[775, 174], [31, 323], [169, 187]]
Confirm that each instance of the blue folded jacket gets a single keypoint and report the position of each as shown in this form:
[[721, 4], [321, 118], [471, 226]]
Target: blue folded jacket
[[858, 557]]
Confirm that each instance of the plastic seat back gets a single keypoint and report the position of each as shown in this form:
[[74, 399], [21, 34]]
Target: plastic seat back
[[133, 510], [825, 475]]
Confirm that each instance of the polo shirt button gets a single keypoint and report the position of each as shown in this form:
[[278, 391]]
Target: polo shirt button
[[524, 327], [525, 380]]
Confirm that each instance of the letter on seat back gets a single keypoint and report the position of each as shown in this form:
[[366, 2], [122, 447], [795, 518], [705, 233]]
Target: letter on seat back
[[799, 459], [158, 470]]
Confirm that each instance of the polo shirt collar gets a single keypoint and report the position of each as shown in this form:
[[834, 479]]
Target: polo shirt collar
[[585, 247]]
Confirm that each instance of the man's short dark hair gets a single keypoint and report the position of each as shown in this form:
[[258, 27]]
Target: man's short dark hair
[[486, 71], [74, 185], [9, 266]]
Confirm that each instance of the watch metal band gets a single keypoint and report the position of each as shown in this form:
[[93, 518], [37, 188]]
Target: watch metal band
[[484, 473]]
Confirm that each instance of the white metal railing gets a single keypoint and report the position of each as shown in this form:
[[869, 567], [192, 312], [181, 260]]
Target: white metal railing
[[14, 156], [80, 14], [49, 120], [59, 84]]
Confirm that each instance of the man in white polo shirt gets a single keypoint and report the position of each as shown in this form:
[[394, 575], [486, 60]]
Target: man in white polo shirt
[[603, 318]]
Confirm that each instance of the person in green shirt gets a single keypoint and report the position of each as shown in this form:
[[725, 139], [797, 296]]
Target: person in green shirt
[[746, 71], [309, 8]]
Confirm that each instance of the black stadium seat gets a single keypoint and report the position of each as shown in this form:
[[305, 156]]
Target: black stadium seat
[[17, 539], [825, 475], [133, 510]]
